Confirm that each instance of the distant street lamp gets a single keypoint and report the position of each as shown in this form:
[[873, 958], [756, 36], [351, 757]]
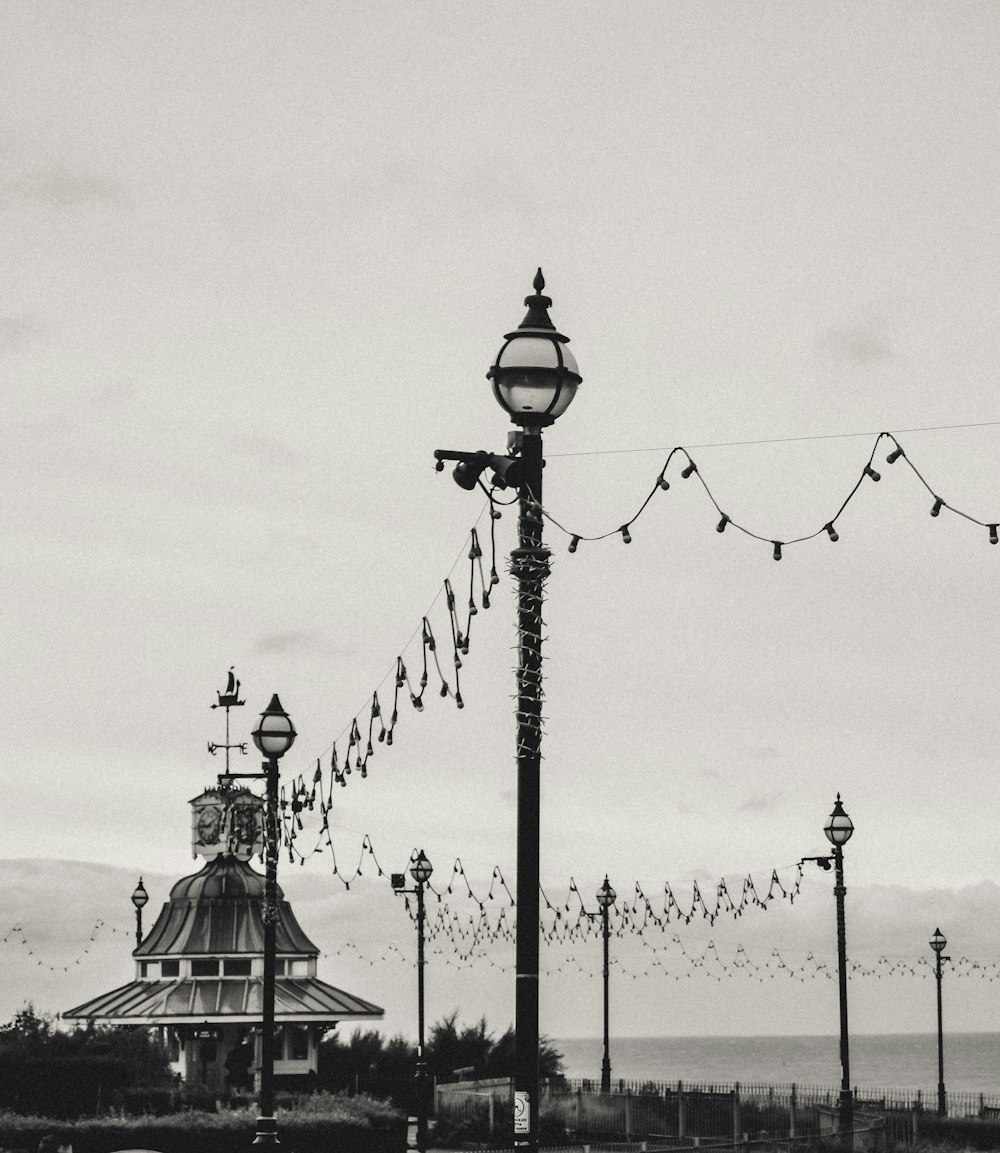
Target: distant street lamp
[[534, 380], [273, 736], [605, 898], [838, 830], [139, 898], [938, 943], [420, 870]]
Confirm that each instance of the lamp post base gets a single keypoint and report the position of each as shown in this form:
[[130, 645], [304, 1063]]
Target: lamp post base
[[267, 1131]]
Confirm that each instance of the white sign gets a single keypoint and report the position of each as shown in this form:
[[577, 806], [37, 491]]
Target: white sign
[[522, 1112]]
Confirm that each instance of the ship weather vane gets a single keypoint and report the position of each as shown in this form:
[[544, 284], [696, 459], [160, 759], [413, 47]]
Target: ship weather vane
[[228, 699]]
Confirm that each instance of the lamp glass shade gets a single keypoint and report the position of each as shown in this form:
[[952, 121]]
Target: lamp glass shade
[[535, 377], [606, 895], [938, 941], [275, 732], [140, 896], [421, 869], [839, 827]]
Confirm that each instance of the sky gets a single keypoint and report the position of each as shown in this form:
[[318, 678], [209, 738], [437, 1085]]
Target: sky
[[259, 260]]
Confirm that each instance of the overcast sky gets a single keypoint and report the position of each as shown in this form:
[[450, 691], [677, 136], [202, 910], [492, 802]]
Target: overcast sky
[[259, 259]]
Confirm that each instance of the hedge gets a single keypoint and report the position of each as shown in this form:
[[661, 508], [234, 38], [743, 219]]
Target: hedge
[[368, 1126]]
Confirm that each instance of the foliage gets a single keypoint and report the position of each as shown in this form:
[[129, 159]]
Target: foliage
[[65, 1073], [356, 1125], [368, 1061], [957, 1132]]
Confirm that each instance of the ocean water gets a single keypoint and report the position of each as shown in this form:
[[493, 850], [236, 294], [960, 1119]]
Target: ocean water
[[891, 1061]]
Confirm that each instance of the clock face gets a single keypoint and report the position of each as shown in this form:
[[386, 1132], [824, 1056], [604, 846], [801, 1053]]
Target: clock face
[[209, 825]]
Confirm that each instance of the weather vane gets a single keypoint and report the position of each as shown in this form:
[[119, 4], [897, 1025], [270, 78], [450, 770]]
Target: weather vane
[[229, 699]]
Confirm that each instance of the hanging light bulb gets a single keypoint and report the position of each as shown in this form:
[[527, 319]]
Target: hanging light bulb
[[721, 526], [938, 503], [691, 468], [896, 453], [831, 531], [869, 471], [662, 482], [625, 534], [573, 543], [777, 548], [993, 534]]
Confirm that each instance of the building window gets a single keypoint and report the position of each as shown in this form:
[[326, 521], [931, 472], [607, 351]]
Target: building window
[[205, 967], [297, 1042], [236, 967], [147, 968], [297, 968], [170, 968]]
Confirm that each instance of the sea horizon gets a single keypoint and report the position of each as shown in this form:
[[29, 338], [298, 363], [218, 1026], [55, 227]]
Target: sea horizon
[[878, 1060]]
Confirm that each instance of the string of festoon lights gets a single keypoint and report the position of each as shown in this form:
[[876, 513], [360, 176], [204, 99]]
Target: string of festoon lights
[[17, 937], [829, 527], [676, 962], [440, 655]]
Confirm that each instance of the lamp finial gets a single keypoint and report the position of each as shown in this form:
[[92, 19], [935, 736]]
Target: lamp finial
[[538, 306]]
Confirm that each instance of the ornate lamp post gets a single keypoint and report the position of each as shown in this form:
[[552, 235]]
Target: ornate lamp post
[[838, 830], [605, 898], [139, 899], [938, 943], [273, 737], [534, 380], [420, 870]]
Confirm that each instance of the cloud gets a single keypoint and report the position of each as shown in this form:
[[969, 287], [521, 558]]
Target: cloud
[[295, 641], [759, 804], [15, 331], [270, 451], [860, 343], [60, 188]]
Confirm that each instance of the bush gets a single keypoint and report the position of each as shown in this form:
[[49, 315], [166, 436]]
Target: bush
[[958, 1132], [356, 1125]]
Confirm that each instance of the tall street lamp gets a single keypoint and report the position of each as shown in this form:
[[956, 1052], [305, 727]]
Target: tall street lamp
[[534, 380], [420, 870], [273, 736], [938, 943], [605, 898], [838, 830], [139, 899]]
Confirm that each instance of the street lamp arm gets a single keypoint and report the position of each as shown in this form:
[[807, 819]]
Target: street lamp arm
[[825, 863]]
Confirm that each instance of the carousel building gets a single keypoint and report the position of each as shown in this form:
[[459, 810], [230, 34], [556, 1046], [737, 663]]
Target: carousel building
[[199, 970]]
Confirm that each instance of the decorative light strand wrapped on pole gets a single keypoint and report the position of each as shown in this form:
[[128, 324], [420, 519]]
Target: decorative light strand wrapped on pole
[[534, 380]]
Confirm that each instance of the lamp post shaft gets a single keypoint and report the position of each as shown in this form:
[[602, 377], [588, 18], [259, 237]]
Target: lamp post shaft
[[529, 564], [421, 1085], [846, 1097], [942, 1099], [606, 1060], [267, 1129], [138, 927]]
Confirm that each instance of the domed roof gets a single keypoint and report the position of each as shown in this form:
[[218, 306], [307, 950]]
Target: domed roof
[[218, 911], [223, 876]]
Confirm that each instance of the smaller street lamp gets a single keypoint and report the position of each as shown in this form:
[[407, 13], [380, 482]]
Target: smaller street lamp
[[139, 898], [938, 943], [605, 899], [420, 870]]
